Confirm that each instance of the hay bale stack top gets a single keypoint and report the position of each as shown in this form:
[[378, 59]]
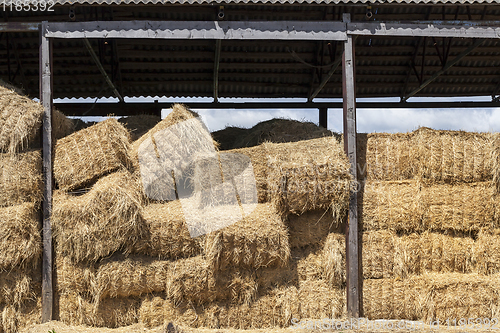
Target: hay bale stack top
[[20, 120], [82, 157]]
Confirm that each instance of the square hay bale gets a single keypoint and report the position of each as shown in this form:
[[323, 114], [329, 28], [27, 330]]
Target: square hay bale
[[460, 207], [237, 286], [62, 126], [100, 222], [307, 264], [190, 281], [319, 301], [140, 124], [309, 175], [167, 233], [259, 240], [458, 296], [408, 255], [73, 277], [312, 227], [21, 244], [385, 156], [454, 156], [432, 296], [135, 276], [446, 254], [334, 260], [74, 309], [20, 120], [165, 156], [84, 156], [17, 287], [487, 252], [391, 205], [378, 254], [20, 178], [258, 158], [394, 298]]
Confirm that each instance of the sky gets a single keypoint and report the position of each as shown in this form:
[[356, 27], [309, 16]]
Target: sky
[[368, 120]]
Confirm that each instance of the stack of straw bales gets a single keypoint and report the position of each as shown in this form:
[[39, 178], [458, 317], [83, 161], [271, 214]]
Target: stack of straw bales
[[20, 198], [429, 223], [127, 255]]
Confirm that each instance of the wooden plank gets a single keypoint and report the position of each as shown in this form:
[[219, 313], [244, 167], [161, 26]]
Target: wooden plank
[[323, 117], [46, 99], [352, 246]]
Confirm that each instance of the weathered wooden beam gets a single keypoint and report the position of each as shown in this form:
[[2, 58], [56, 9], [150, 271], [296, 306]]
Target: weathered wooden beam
[[352, 244], [444, 69], [216, 69], [19, 27], [46, 99], [323, 117]]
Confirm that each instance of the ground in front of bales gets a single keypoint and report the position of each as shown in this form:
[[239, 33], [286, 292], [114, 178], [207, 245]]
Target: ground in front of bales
[[58, 327]]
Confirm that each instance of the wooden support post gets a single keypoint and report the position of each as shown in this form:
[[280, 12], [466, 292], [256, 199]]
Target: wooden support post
[[352, 246], [46, 99], [323, 117]]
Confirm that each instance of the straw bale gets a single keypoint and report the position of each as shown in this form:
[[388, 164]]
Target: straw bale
[[237, 286], [319, 301], [389, 157], [21, 244], [165, 155], [16, 287], [74, 309], [432, 296], [100, 222], [460, 207], [309, 175], [179, 114], [495, 160], [84, 156], [487, 252], [134, 276], [312, 227], [168, 236], [190, 280], [20, 178], [20, 120], [391, 205], [313, 299], [75, 277], [333, 260], [454, 156], [228, 136], [62, 126], [445, 253], [259, 240], [280, 131], [140, 124], [258, 158], [378, 254], [307, 264]]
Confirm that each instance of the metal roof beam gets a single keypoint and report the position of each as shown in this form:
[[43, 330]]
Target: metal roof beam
[[216, 69], [101, 69], [462, 29], [445, 68], [128, 109], [239, 30], [275, 30]]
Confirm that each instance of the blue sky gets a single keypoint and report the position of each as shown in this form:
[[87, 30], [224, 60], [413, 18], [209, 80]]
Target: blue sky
[[368, 120]]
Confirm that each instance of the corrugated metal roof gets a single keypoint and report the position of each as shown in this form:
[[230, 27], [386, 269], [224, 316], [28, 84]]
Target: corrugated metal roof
[[321, 2], [263, 69]]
